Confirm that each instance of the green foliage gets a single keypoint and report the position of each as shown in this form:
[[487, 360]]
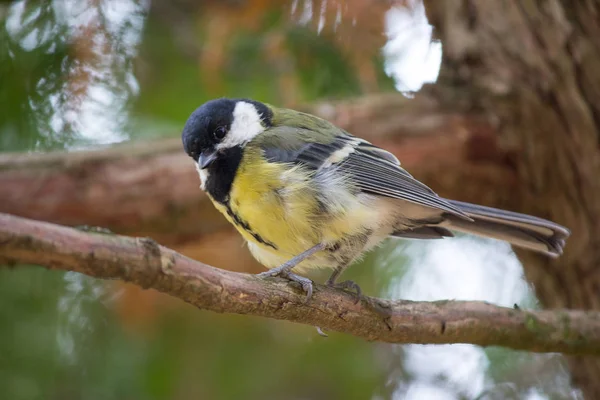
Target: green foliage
[[60, 339], [29, 77], [323, 70]]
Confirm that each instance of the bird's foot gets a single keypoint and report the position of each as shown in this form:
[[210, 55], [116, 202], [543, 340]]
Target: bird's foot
[[284, 270], [349, 286], [305, 283]]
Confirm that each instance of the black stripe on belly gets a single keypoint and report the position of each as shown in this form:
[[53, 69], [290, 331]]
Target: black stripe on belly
[[246, 226], [221, 175]]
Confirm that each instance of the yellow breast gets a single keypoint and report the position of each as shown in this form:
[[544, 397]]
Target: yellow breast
[[276, 208]]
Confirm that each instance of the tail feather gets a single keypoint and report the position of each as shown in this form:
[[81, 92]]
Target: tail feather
[[518, 229]]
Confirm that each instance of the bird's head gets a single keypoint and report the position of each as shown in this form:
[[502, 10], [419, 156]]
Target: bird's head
[[223, 124]]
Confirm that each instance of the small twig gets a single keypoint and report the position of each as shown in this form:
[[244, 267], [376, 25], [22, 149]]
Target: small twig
[[145, 263]]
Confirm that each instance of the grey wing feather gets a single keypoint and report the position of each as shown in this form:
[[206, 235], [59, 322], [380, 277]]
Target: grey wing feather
[[379, 176], [370, 168]]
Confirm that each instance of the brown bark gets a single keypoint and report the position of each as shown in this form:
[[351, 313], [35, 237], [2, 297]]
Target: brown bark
[[532, 67], [149, 187], [144, 263]]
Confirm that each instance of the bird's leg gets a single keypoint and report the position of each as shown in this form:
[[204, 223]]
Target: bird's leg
[[345, 285], [288, 265], [284, 270]]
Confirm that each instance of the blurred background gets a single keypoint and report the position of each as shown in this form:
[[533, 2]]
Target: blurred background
[[88, 77]]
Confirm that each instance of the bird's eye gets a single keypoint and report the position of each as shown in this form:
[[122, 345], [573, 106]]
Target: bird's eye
[[220, 132]]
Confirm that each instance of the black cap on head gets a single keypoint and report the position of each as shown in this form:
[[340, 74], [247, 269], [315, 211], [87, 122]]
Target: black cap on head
[[212, 121], [204, 127]]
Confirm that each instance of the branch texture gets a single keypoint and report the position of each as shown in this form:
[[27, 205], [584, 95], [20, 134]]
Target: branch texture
[[149, 265]]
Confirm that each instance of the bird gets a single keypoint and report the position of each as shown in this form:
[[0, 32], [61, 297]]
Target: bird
[[306, 194]]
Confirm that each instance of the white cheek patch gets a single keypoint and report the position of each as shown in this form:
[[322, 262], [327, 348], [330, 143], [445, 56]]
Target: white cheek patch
[[203, 176], [245, 126]]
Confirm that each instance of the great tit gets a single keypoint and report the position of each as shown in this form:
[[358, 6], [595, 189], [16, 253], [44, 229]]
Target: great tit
[[306, 194]]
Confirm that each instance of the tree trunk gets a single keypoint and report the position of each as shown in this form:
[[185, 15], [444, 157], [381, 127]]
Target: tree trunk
[[533, 68]]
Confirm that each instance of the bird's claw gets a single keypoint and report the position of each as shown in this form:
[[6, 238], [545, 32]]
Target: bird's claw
[[305, 283]]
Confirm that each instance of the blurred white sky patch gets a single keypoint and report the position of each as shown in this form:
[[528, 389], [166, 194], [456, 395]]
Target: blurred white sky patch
[[81, 293], [421, 391], [102, 115], [92, 105], [411, 58], [430, 363], [461, 268], [21, 26], [307, 11], [534, 394]]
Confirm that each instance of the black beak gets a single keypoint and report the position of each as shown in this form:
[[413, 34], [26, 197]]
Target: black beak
[[206, 159]]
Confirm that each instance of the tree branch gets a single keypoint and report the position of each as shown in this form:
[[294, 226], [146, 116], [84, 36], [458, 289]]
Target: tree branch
[[149, 265]]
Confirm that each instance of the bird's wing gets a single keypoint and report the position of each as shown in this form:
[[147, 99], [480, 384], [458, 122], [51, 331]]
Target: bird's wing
[[370, 168]]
